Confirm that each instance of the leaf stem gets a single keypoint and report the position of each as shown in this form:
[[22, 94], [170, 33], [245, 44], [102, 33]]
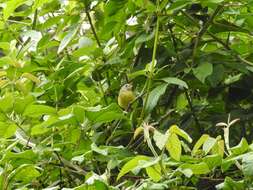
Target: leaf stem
[[151, 73]]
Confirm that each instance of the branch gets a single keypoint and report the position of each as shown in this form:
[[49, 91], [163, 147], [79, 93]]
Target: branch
[[220, 41], [227, 47], [203, 30]]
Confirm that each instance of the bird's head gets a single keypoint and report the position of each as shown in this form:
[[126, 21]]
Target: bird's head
[[127, 87]]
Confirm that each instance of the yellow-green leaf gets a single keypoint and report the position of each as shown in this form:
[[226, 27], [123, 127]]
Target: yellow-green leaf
[[197, 169], [173, 146], [138, 131], [154, 172], [31, 77], [199, 143], [180, 132], [130, 165]]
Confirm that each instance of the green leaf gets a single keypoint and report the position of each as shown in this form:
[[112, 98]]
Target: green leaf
[[177, 5], [146, 4], [247, 165], [223, 25], [197, 169], [241, 148], [131, 165], [203, 71], [99, 150], [38, 110], [21, 103], [150, 162], [6, 102], [154, 172], [137, 74], [232, 79], [27, 154], [67, 38], [251, 147], [106, 114], [86, 46], [47, 24], [160, 139], [217, 76], [138, 131], [144, 38], [199, 143], [10, 7], [175, 129], [212, 1], [85, 42], [230, 184], [213, 161], [181, 102], [39, 3], [114, 7], [226, 164], [79, 113], [154, 96], [176, 81], [173, 146], [7, 130], [43, 127], [218, 148], [209, 144], [25, 173]]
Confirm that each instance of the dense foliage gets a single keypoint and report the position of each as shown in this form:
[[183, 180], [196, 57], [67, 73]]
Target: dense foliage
[[63, 63]]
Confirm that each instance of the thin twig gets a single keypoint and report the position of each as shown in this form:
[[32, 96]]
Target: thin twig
[[200, 129], [103, 58], [92, 26], [113, 132]]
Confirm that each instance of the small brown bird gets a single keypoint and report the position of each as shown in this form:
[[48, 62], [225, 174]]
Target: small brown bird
[[126, 96]]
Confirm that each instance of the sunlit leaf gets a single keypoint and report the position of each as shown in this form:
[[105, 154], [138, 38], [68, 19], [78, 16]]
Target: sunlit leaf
[[199, 143], [241, 148], [106, 114], [173, 146], [38, 110], [154, 172], [7, 129], [175, 129], [10, 7], [69, 36], [130, 165], [200, 168]]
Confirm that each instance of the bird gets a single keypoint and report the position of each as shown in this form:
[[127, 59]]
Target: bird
[[126, 96]]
